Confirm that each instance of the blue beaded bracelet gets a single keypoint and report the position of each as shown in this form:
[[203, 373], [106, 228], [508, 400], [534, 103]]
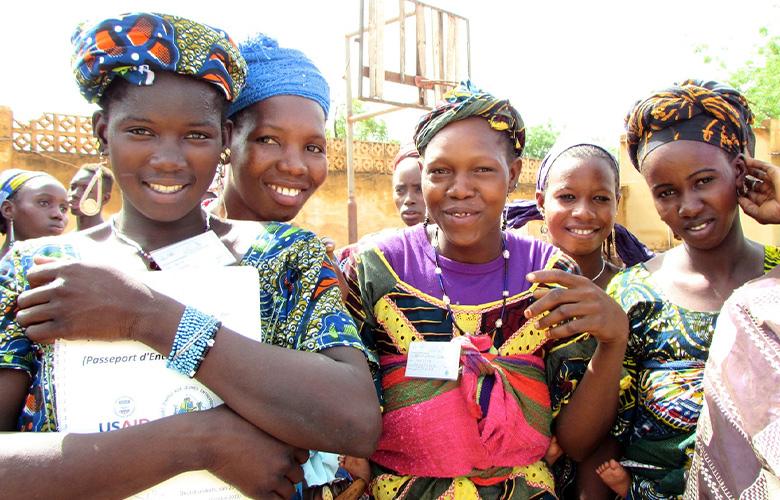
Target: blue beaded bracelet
[[194, 336]]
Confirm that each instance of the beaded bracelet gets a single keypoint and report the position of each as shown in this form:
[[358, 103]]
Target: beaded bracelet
[[194, 336]]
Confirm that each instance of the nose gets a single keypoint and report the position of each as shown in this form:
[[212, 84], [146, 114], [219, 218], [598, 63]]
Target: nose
[[690, 205], [583, 209], [292, 162], [461, 187], [56, 213], [169, 156]]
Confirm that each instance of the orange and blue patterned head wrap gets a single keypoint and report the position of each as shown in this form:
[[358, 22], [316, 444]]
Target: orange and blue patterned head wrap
[[134, 46], [695, 110], [465, 101]]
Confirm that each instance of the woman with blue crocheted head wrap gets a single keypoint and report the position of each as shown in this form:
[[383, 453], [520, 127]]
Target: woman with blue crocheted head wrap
[[277, 157]]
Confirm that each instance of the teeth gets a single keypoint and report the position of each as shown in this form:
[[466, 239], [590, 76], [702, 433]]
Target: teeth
[[583, 231], [160, 188], [285, 191], [699, 227], [461, 214]]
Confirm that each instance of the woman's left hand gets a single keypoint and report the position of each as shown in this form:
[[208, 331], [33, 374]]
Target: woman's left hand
[[579, 307], [761, 199], [75, 300]]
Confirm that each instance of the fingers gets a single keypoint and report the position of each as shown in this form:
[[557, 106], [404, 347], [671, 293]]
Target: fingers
[[748, 206], [43, 273], [301, 456], [557, 277]]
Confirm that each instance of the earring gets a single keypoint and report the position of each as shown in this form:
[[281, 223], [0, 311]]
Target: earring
[[503, 220], [426, 221], [10, 233], [543, 229], [224, 157], [88, 206]]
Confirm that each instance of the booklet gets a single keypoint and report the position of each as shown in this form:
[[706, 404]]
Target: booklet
[[105, 386]]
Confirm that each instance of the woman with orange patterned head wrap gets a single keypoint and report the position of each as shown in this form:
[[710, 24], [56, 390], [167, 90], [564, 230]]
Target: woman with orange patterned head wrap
[[690, 142]]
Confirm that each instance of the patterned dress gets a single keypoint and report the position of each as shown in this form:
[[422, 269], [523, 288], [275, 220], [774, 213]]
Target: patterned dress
[[662, 398], [484, 434], [300, 308]]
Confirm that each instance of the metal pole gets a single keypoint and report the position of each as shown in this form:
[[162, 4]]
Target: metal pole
[[352, 232]]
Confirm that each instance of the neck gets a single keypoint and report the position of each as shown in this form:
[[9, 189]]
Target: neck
[[152, 234], [479, 253], [591, 264], [86, 222], [723, 259]]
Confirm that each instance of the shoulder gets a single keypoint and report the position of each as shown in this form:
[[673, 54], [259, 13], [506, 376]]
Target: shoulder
[[271, 240], [632, 287]]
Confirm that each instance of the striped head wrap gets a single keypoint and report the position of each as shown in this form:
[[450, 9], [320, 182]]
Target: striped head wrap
[[695, 110], [134, 46], [404, 152], [465, 101], [12, 180]]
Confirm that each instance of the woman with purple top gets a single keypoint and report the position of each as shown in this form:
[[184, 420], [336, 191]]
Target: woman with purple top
[[454, 311]]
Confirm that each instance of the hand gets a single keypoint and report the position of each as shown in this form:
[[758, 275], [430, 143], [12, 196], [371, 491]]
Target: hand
[[75, 300], [762, 199], [244, 456], [578, 308], [330, 247]]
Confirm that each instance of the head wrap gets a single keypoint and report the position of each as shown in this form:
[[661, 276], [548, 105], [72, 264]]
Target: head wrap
[[404, 152], [134, 46], [465, 101], [695, 110], [13, 179], [279, 71], [519, 212]]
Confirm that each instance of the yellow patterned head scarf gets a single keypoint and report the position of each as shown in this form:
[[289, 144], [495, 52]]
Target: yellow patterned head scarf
[[465, 101], [135, 46], [695, 110]]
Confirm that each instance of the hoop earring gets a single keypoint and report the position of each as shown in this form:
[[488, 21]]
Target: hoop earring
[[543, 229], [224, 157], [9, 232]]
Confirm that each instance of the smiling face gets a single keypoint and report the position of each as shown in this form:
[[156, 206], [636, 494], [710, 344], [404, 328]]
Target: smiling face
[[38, 208], [407, 191], [277, 158], [467, 173], [164, 142], [694, 187], [580, 203]]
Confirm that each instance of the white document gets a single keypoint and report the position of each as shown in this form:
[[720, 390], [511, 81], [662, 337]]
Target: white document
[[205, 249], [439, 360], [105, 386]]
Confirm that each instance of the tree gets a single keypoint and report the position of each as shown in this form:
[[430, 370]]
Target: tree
[[758, 78], [371, 129], [539, 139]]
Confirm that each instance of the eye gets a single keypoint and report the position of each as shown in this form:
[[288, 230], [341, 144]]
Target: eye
[[665, 193], [43, 203], [139, 131], [314, 148], [197, 136], [483, 169], [64, 209], [399, 190], [704, 180], [266, 139], [602, 198], [566, 197], [437, 171]]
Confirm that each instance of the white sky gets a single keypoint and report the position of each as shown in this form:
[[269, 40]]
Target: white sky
[[580, 64]]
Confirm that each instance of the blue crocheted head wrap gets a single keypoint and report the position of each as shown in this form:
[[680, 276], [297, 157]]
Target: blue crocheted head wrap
[[279, 71]]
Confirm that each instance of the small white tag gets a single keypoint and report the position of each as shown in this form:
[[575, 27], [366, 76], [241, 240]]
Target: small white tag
[[202, 250], [433, 360]]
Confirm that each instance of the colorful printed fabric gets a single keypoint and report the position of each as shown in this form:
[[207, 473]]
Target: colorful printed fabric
[[300, 308], [483, 435], [707, 112], [13, 179], [660, 406], [134, 46], [465, 101], [738, 437], [275, 70]]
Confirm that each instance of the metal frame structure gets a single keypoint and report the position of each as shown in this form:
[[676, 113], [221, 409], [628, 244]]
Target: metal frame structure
[[430, 83]]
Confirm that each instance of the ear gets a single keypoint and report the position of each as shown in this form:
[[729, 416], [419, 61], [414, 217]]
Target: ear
[[106, 197], [7, 210], [740, 166], [515, 167], [227, 133], [540, 201], [99, 128]]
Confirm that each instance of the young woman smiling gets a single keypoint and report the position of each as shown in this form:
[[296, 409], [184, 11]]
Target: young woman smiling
[[462, 290], [163, 84]]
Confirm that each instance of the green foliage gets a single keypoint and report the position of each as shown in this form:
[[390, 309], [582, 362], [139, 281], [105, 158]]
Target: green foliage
[[539, 139], [372, 129], [759, 76]]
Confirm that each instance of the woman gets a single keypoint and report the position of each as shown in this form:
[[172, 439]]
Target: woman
[[735, 450], [577, 193], [450, 304], [277, 151], [90, 191], [163, 84], [33, 204], [690, 143], [407, 193]]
